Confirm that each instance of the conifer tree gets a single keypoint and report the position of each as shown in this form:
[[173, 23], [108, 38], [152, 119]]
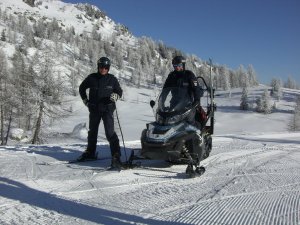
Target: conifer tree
[[290, 83], [264, 104], [276, 90], [3, 35], [244, 99], [294, 124]]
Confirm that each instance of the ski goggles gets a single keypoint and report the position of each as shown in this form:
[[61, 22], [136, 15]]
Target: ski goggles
[[178, 65], [103, 66]]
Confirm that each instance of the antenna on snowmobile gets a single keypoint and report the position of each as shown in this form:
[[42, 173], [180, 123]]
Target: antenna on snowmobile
[[212, 105], [211, 80]]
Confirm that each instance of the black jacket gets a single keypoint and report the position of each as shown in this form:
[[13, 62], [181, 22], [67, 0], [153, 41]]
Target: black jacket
[[101, 87], [187, 79]]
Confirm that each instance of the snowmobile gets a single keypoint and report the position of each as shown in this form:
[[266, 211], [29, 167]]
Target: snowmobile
[[182, 131]]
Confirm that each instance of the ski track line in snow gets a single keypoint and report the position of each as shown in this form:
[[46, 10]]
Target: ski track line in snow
[[116, 186], [277, 189], [222, 186], [9, 204], [27, 166], [248, 198], [267, 206], [236, 195], [234, 158], [27, 214], [208, 211], [184, 206]]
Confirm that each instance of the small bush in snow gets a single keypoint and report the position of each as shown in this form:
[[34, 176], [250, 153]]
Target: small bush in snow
[[16, 134], [264, 104]]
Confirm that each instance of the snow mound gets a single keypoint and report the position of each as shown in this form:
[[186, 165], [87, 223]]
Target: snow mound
[[80, 131], [16, 134]]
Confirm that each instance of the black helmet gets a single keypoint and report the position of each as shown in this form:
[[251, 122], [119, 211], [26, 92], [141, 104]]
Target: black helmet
[[103, 62], [178, 59]]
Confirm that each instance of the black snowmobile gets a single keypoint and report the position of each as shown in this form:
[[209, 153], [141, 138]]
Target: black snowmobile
[[176, 136]]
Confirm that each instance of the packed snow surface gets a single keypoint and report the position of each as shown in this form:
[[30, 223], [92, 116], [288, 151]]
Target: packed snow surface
[[252, 176]]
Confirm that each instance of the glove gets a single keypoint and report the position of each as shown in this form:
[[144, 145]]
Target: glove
[[86, 102], [114, 97]]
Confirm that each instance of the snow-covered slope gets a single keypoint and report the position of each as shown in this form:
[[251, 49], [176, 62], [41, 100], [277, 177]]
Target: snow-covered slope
[[252, 175], [65, 13], [248, 180], [83, 18]]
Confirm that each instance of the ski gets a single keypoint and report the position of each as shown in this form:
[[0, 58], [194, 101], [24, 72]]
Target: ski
[[73, 161], [114, 169], [87, 160], [82, 161]]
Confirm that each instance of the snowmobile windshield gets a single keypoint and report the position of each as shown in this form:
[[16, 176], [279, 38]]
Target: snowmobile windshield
[[174, 100]]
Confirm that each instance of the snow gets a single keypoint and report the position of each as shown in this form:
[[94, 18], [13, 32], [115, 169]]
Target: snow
[[9, 49], [16, 133], [80, 131], [252, 175], [62, 12]]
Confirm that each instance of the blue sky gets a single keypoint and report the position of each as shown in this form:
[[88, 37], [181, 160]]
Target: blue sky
[[264, 33]]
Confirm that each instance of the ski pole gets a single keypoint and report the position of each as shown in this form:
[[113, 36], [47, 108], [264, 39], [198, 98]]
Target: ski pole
[[121, 133]]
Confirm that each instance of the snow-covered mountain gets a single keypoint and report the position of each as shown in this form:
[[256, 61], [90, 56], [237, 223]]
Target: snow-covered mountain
[[83, 17], [81, 20]]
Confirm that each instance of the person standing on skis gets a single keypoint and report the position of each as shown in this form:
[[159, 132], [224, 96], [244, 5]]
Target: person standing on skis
[[180, 77], [104, 91]]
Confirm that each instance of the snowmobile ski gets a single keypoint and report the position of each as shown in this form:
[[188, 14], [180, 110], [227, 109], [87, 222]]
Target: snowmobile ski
[[191, 173]]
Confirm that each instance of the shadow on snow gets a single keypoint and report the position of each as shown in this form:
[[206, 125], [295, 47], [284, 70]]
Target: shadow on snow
[[17, 191]]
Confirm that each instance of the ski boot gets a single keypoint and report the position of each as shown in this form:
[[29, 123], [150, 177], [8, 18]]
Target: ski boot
[[87, 156], [116, 162]]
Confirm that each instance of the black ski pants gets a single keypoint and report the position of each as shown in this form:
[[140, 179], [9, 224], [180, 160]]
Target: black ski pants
[[108, 121]]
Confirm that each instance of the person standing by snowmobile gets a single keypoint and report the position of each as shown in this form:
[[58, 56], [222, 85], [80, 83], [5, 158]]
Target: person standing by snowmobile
[[183, 78], [104, 91]]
